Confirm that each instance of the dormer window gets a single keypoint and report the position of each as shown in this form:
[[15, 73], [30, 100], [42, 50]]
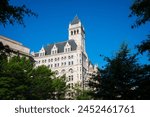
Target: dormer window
[[54, 50], [66, 50], [67, 47], [42, 52]]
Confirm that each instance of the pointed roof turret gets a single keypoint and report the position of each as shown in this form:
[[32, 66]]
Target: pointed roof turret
[[76, 20]]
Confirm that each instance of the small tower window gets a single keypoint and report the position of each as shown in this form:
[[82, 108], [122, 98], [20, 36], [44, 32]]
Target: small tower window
[[77, 31], [74, 31], [71, 32]]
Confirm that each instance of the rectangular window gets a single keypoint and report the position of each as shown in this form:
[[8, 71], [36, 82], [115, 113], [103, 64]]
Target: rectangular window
[[72, 94], [72, 56], [72, 85], [69, 85], [71, 77]]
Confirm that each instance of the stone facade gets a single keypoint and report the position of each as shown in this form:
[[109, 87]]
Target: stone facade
[[68, 57], [17, 47]]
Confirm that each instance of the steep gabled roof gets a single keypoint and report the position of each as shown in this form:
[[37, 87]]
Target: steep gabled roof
[[76, 20], [60, 47]]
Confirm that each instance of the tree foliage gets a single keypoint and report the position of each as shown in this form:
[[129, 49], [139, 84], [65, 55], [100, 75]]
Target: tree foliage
[[59, 88], [141, 9], [80, 94], [45, 85], [14, 81], [123, 78], [20, 80], [9, 14], [145, 46]]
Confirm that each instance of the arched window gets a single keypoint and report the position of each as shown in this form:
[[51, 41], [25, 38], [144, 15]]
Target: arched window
[[56, 72], [63, 71], [71, 32], [70, 70], [74, 31], [77, 31]]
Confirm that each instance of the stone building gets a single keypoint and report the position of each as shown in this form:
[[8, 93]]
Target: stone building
[[16, 47], [68, 57]]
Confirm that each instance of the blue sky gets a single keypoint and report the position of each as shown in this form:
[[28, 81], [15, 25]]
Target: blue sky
[[106, 24]]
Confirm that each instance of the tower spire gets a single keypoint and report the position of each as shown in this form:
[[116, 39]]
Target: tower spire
[[76, 20], [76, 32]]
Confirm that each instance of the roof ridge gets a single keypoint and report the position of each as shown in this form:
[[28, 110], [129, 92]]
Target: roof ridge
[[57, 43], [61, 42]]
